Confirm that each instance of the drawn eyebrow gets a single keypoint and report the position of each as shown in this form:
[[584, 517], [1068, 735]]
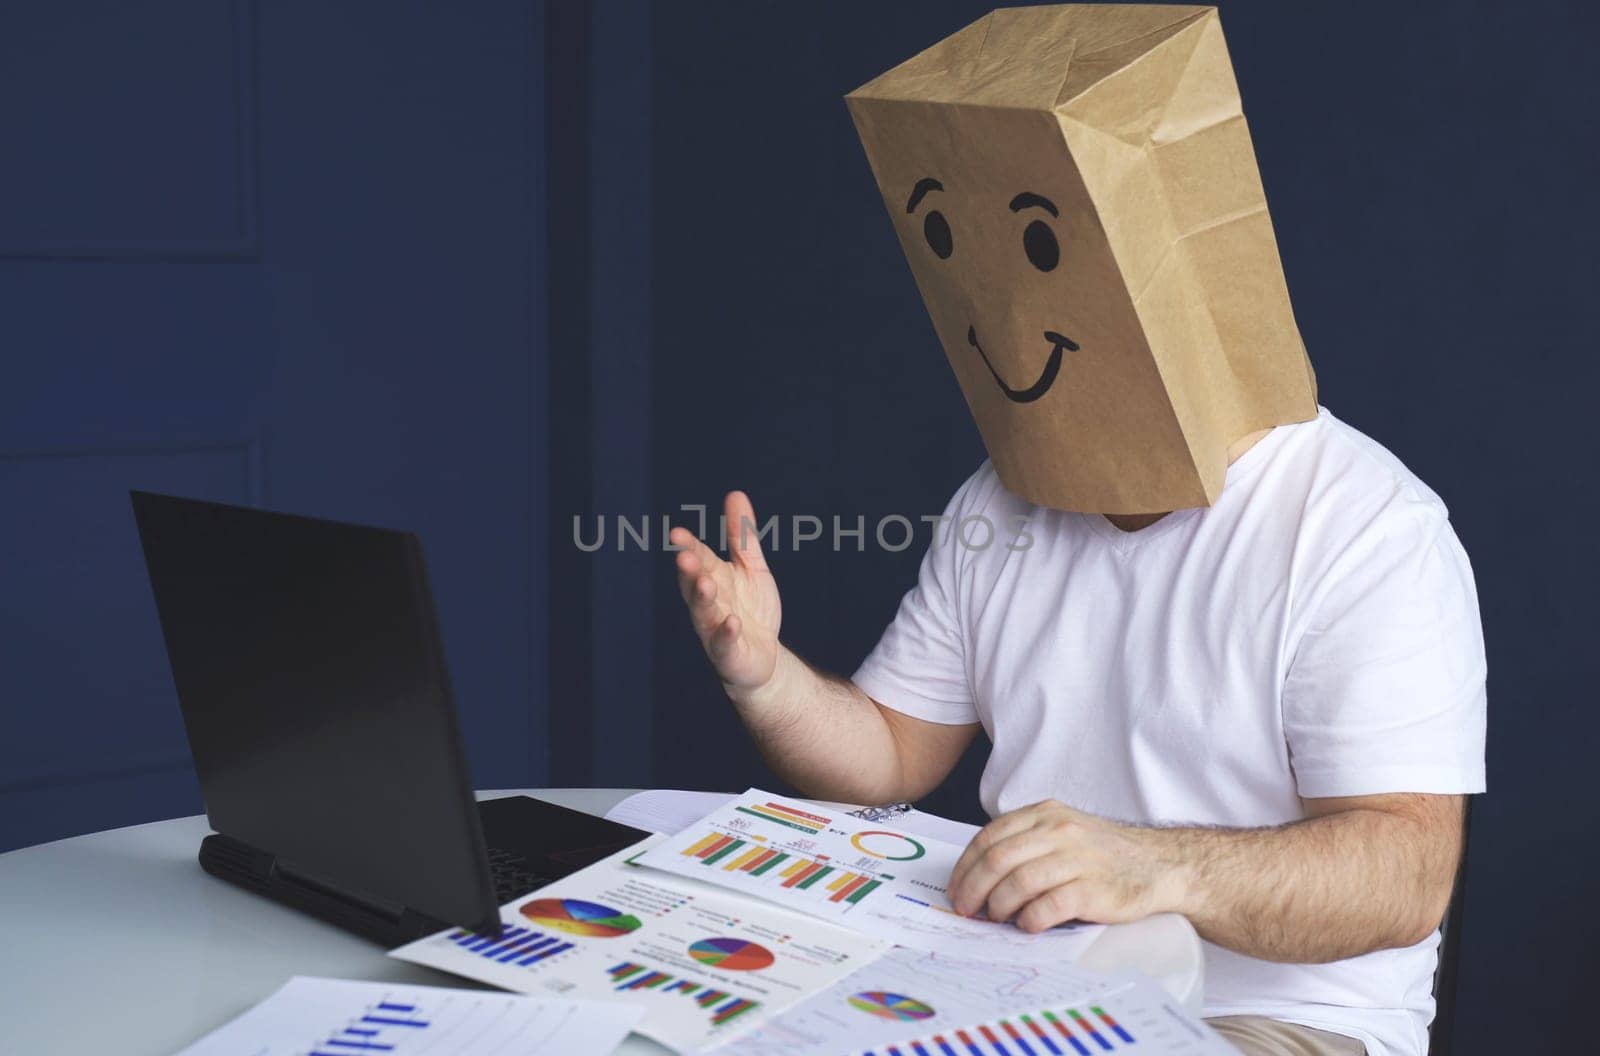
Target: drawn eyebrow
[[924, 185], [1028, 198]]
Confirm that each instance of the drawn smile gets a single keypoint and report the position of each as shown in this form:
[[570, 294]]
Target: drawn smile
[[1059, 345]]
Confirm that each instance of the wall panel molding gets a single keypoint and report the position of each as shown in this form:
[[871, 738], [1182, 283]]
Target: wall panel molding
[[250, 449], [89, 695]]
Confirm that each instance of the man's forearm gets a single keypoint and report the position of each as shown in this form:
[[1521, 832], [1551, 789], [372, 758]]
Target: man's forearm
[[1322, 889], [822, 734], [1361, 874]]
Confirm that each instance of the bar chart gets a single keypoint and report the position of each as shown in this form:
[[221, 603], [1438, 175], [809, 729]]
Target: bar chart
[[1135, 1016], [311, 1016], [750, 854], [517, 946], [722, 1006], [1066, 1033], [786, 815], [376, 1030]]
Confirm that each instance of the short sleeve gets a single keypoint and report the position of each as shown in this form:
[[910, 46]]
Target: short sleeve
[[1385, 690], [919, 666]]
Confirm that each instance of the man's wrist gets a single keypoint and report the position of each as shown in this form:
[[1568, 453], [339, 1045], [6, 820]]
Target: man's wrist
[[759, 700], [1175, 870]]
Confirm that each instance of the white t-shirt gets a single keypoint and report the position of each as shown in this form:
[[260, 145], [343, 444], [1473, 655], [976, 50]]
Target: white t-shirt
[[1315, 633]]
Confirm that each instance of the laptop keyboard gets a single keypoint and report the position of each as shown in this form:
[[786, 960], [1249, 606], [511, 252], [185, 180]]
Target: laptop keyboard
[[511, 876]]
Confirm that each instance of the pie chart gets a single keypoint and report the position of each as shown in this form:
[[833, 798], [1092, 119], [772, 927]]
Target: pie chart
[[734, 955], [895, 846], [577, 917], [890, 1006]]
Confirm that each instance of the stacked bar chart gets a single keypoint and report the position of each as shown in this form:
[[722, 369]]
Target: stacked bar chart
[[722, 1005], [517, 946], [1070, 1032], [1105, 1020]]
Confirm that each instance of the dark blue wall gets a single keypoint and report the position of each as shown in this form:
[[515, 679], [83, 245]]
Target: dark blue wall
[[290, 256]]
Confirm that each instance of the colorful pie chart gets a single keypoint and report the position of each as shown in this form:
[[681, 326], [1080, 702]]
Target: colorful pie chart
[[735, 955], [890, 1006], [577, 917]]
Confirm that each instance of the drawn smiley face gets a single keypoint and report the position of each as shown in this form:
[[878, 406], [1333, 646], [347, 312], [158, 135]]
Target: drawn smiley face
[[1039, 245]]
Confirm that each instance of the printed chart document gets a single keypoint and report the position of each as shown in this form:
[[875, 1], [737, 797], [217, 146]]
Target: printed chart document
[[909, 993], [702, 965], [338, 1017], [872, 876], [1135, 1016]]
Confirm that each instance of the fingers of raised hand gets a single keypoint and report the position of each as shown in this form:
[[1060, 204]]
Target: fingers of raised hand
[[692, 553], [690, 565], [699, 570], [682, 538], [724, 640], [744, 535]]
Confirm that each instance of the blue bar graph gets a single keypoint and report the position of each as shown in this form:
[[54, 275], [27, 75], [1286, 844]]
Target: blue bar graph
[[515, 945], [391, 1021], [542, 954]]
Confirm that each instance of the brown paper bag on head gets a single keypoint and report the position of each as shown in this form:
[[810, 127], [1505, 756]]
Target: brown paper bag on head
[[1077, 193]]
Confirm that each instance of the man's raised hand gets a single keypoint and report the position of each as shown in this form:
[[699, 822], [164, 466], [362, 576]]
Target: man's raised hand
[[819, 733], [733, 604]]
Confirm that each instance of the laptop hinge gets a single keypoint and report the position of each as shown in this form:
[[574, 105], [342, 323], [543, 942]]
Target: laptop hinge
[[381, 920]]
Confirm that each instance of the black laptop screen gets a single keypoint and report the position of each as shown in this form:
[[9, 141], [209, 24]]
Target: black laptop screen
[[307, 661]]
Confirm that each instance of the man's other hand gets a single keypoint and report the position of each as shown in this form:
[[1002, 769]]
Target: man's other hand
[[1047, 864]]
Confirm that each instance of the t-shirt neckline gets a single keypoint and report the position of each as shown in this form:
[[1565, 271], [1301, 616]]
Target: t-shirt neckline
[[1242, 469]]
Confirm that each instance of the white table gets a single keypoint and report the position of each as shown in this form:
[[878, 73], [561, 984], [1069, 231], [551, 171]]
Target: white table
[[117, 942]]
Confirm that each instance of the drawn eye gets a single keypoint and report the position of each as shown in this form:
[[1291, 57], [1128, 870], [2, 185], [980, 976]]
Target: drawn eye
[[1039, 242], [937, 231]]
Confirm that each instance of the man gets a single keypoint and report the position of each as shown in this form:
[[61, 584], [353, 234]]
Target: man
[[1231, 661]]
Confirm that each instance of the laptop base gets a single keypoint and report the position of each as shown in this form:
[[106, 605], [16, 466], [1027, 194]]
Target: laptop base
[[531, 843]]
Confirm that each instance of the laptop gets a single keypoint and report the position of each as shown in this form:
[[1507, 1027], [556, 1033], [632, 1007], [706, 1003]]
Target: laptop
[[308, 664]]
